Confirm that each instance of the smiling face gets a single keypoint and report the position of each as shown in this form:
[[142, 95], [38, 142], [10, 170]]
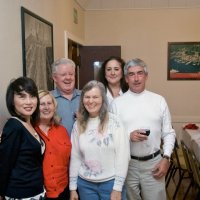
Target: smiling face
[[47, 108], [25, 104], [136, 79], [92, 101], [113, 72], [64, 78]]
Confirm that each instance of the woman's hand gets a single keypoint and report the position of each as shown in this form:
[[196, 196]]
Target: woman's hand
[[115, 195], [73, 195]]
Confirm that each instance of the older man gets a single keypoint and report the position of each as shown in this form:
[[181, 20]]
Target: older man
[[139, 110], [67, 97]]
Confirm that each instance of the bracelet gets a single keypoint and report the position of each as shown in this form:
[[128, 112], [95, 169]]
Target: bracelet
[[167, 157]]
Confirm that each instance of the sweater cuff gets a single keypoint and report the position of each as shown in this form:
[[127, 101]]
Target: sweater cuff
[[72, 187], [118, 184], [117, 188], [73, 183]]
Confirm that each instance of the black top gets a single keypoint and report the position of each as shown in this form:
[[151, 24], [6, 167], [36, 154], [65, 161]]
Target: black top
[[20, 162]]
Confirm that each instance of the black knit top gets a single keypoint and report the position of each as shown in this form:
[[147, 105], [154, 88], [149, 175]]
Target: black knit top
[[20, 162]]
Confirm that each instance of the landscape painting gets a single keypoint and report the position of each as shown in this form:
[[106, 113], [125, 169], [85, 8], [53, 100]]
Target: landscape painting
[[184, 61]]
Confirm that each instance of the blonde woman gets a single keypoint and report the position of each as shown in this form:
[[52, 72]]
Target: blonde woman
[[58, 149]]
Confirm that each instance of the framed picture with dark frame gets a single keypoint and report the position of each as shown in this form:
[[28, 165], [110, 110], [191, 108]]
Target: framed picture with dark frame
[[37, 49], [183, 61]]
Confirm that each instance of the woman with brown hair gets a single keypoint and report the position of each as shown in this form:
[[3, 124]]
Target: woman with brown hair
[[112, 76]]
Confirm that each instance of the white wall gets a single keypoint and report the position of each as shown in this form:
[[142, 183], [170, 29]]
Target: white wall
[[141, 33], [145, 33], [58, 12]]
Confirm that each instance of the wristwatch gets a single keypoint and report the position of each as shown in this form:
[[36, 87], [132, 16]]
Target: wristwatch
[[167, 157]]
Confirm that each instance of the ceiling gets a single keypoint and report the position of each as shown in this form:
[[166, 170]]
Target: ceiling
[[136, 4]]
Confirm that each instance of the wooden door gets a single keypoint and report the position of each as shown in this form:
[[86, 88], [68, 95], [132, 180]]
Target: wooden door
[[73, 54]]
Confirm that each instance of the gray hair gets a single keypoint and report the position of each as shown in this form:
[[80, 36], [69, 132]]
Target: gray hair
[[83, 114], [62, 61], [133, 63]]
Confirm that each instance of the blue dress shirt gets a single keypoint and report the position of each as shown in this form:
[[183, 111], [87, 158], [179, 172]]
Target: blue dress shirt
[[67, 108]]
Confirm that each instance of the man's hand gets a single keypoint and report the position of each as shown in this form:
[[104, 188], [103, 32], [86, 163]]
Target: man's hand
[[136, 136], [115, 195], [73, 195], [161, 168]]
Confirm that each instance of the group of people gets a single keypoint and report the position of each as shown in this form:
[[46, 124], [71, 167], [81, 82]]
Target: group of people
[[89, 144]]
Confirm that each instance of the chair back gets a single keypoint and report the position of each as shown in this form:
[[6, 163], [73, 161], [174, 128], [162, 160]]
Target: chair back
[[177, 157], [195, 166], [186, 156]]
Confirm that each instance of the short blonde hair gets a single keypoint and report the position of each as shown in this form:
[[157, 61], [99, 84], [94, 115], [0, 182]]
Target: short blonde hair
[[56, 119]]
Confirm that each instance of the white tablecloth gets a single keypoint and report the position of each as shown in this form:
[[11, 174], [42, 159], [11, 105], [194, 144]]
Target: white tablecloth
[[192, 140]]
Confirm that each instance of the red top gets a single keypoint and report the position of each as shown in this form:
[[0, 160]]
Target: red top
[[56, 160]]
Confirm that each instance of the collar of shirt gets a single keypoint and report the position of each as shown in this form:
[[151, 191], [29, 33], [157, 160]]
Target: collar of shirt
[[57, 93], [137, 94], [110, 95], [41, 133]]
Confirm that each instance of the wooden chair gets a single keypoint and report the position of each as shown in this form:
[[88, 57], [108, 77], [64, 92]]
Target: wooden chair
[[188, 165], [178, 166], [195, 166]]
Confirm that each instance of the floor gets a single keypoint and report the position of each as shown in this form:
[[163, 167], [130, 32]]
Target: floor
[[172, 186]]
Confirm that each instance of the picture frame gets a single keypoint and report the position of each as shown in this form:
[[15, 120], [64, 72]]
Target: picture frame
[[37, 49], [183, 61]]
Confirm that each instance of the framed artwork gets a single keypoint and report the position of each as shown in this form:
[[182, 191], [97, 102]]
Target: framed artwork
[[37, 49], [183, 61]]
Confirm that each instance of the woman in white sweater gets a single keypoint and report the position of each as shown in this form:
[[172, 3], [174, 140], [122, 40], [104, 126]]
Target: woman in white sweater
[[100, 149]]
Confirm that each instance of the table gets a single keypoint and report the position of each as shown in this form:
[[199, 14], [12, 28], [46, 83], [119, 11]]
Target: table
[[191, 138]]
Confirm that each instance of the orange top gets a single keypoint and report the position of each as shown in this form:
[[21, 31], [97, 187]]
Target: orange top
[[56, 160]]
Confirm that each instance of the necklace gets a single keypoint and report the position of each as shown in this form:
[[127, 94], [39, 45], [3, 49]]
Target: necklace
[[35, 134], [29, 127], [44, 128]]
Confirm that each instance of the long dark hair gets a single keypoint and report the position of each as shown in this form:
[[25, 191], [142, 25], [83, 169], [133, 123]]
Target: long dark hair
[[16, 87], [101, 74]]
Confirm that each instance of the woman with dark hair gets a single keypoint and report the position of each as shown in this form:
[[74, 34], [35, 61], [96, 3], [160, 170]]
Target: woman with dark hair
[[21, 148], [58, 149], [112, 76], [100, 149]]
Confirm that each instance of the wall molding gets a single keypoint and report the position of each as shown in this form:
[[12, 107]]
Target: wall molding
[[185, 119]]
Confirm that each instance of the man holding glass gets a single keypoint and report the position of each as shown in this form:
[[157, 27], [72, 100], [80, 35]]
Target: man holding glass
[[147, 120]]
